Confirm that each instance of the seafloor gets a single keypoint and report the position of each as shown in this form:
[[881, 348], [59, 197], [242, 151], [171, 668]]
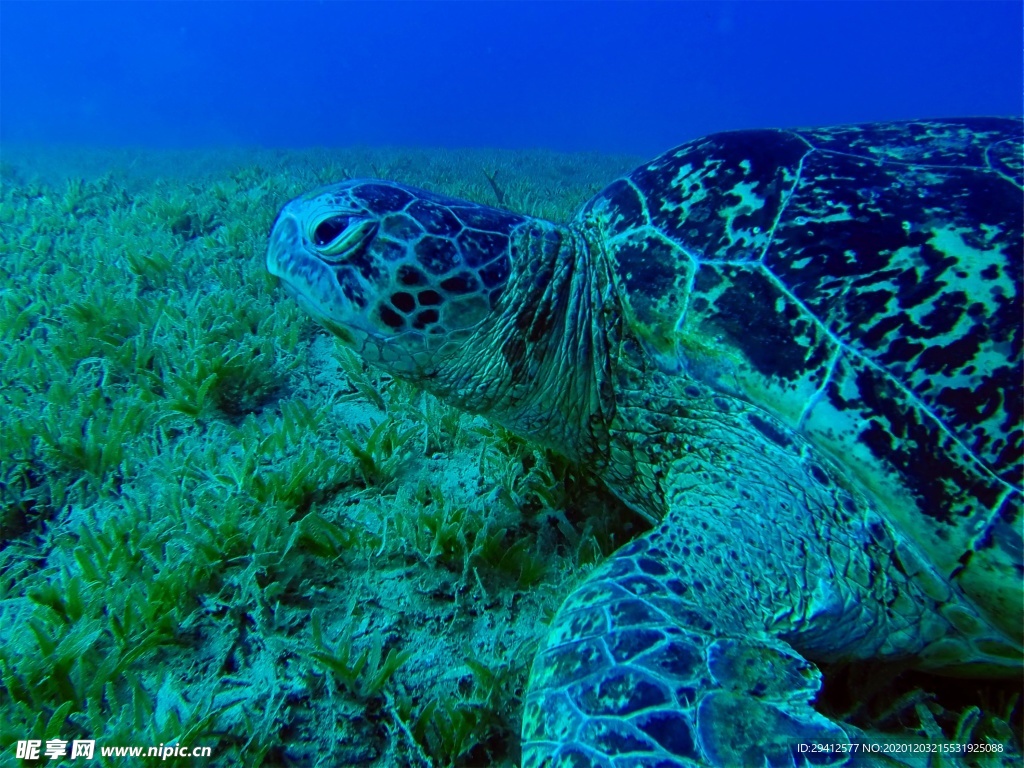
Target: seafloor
[[219, 528]]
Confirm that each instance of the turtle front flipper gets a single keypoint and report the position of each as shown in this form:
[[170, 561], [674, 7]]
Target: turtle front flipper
[[639, 665]]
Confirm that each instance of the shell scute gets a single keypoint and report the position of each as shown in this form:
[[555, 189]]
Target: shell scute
[[953, 143], [721, 195], [921, 285], [863, 284], [1006, 159]]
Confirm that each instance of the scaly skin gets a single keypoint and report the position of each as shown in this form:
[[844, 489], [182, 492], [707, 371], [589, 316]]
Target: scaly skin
[[692, 645]]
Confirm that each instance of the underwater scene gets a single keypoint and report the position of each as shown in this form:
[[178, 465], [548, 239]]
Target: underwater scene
[[511, 384]]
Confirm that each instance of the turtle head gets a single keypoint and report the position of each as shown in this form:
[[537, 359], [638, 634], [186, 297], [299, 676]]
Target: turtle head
[[401, 275]]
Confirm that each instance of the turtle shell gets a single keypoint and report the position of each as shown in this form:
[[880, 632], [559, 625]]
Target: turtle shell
[[862, 283]]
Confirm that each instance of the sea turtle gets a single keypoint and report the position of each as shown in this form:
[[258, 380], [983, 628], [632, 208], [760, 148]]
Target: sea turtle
[[796, 352]]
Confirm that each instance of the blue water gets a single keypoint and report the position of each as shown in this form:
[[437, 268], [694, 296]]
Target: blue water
[[614, 77]]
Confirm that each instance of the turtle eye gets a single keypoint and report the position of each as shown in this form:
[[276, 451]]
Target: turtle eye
[[328, 230], [342, 237]]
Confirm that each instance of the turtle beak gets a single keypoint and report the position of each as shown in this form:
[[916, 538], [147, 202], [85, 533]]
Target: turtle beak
[[285, 238], [306, 277], [290, 261]]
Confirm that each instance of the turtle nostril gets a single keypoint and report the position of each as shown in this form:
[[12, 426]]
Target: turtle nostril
[[328, 230]]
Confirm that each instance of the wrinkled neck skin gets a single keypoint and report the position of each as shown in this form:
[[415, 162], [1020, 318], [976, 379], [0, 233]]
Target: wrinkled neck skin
[[541, 366]]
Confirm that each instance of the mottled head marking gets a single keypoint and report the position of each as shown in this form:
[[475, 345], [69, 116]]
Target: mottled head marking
[[396, 272]]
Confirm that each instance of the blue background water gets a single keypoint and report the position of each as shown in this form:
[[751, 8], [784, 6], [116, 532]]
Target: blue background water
[[622, 77]]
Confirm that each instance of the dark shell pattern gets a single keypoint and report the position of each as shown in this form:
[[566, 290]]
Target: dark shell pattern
[[862, 283]]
